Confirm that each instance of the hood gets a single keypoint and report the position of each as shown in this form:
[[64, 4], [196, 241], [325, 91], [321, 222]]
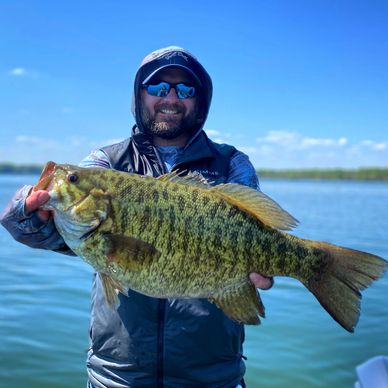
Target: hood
[[172, 56]]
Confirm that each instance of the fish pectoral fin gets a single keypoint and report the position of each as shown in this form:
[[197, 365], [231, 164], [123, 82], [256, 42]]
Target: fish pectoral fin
[[257, 204], [241, 302], [129, 253], [111, 288]]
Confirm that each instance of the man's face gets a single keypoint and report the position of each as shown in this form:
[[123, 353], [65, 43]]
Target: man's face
[[169, 117]]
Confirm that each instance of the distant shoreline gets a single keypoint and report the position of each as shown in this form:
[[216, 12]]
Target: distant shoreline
[[9, 168], [364, 173], [358, 174]]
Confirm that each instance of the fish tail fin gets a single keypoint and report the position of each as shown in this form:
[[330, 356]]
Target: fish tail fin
[[339, 288]]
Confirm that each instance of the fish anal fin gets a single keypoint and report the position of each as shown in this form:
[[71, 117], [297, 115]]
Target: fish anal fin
[[257, 204], [129, 253], [111, 289], [240, 302]]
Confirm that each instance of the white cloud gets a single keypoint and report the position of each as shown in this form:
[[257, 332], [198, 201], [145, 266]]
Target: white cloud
[[295, 140], [35, 149], [17, 71], [72, 145], [28, 139], [217, 136], [32, 144], [281, 137], [67, 109], [313, 142], [213, 132], [96, 144], [377, 146], [291, 149], [381, 146], [248, 150]]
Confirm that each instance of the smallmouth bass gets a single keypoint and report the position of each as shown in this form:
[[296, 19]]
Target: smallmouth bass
[[179, 237]]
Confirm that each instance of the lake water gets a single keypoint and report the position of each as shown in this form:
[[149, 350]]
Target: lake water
[[44, 300]]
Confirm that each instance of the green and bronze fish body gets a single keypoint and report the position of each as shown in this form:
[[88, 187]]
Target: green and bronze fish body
[[180, 237]]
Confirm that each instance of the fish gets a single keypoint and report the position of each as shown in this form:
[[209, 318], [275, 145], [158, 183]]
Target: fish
[[180, 236]]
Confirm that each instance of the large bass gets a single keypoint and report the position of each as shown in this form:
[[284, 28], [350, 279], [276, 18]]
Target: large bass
[[179, 237]]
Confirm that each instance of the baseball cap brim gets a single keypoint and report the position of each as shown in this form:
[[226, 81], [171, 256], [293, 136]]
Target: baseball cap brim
[[184, 68]]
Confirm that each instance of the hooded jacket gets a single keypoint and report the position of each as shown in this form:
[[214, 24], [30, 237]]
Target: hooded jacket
[[157, 342]]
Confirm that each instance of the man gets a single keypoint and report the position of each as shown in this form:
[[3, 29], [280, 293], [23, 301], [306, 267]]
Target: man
[[149, 342]]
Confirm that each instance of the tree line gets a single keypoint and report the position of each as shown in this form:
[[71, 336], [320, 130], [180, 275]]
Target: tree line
[[366, 173], [10, 168]]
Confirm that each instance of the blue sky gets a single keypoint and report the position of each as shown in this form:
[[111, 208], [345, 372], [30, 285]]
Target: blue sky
[[296, 83]]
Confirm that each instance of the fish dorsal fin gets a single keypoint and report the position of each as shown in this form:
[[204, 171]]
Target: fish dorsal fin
[[191, 179], [249, 200], [257, 204]]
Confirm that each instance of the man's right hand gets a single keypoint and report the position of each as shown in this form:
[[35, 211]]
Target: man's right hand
[[34, 201]]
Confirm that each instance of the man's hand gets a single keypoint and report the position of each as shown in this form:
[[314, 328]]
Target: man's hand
[[34, 201], [260, 281]]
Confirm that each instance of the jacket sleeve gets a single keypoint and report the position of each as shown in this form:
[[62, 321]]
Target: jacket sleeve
[[30, 229], [242, 171]]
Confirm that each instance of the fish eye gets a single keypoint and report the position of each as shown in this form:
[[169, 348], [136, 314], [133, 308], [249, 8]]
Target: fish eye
[[72, 177]]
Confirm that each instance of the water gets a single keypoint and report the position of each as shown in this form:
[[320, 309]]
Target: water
[[44, 300]]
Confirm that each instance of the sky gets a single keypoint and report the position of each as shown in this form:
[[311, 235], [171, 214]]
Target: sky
[[297, 84]]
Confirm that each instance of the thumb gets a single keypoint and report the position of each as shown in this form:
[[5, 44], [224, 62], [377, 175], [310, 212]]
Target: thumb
[[35, 200], [260, 281]]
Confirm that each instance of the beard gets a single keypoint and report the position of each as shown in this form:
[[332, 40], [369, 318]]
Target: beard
[[171, 127]]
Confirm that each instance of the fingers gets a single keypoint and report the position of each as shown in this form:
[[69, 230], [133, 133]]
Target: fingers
[[34, 201], [44, 215], [260, 281]]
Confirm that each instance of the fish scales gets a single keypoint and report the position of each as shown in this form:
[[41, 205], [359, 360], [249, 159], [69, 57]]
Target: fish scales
[[240, 240], [176, 236], [208, 218]]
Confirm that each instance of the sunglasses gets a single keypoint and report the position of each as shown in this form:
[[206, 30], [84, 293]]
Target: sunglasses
[[162, 89]]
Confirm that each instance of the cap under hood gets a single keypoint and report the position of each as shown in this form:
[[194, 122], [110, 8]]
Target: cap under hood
[[172, 56]]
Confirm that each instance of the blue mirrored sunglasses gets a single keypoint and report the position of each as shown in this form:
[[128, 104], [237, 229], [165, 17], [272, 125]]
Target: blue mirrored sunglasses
[[162, 89]]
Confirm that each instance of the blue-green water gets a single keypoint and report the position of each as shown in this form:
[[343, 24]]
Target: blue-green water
[[44, 300]]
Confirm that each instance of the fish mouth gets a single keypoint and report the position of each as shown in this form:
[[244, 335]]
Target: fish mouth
[[45, 177]]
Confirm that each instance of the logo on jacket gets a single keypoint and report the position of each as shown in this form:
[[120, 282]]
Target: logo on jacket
[[207, 172]]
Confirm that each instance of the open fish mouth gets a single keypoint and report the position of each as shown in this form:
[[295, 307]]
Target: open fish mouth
[[45, 177]]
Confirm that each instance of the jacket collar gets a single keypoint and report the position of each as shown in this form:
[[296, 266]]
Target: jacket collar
[[198, 147]]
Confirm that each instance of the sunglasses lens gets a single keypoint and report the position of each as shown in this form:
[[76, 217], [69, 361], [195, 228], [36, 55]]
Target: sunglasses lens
[[184, 91], [159, 90], [162, 90]]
